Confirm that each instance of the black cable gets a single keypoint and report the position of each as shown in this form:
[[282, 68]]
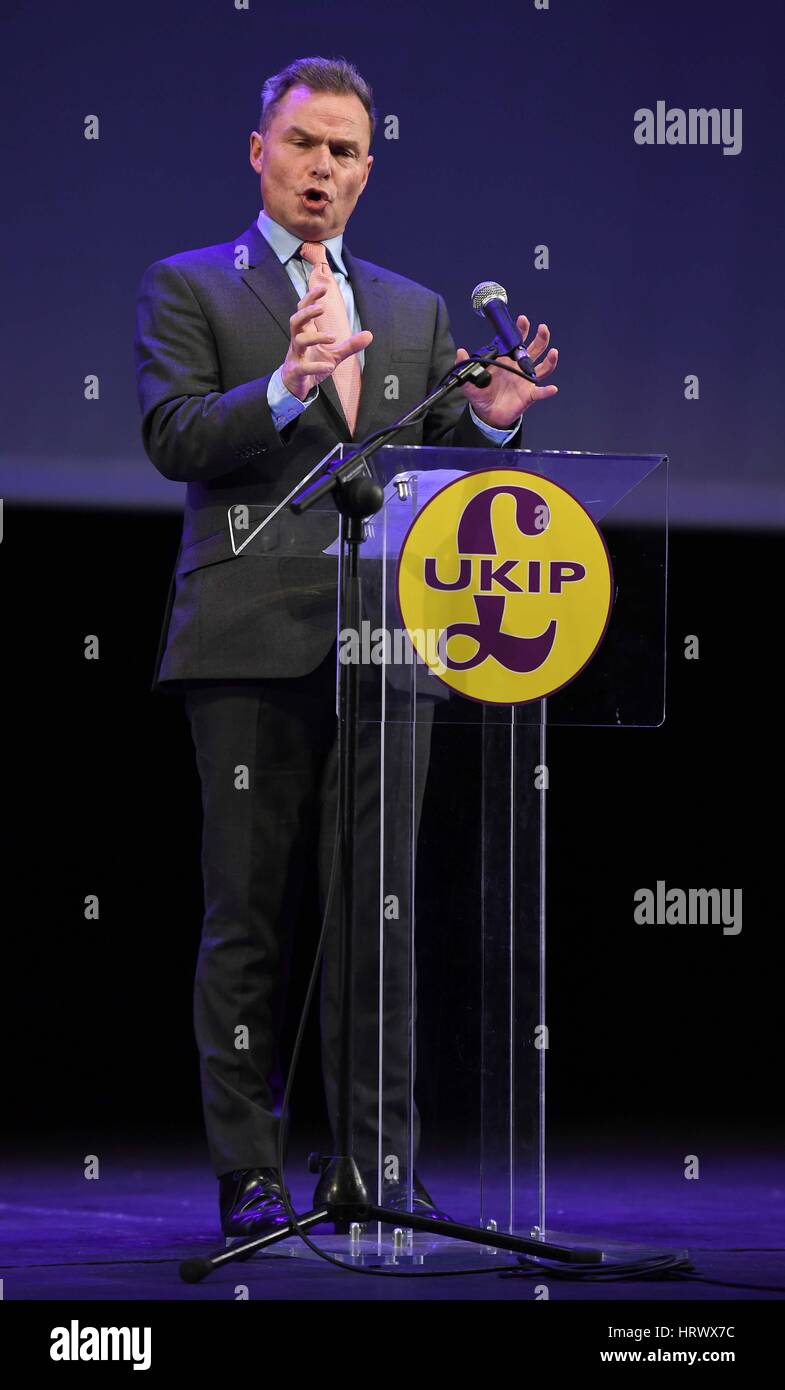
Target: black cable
[[304, 1018], [730, 1284], [657, 1267], [676, 1268]]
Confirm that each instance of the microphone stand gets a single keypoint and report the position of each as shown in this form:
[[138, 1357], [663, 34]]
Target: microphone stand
[[341, 1196]]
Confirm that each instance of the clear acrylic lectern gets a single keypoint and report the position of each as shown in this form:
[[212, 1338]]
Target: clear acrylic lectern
[[450, 1023]]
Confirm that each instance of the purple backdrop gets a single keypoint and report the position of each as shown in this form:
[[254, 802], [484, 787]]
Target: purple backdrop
[[516, 130]]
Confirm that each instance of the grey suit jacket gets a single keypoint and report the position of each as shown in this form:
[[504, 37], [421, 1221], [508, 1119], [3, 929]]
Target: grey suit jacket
[[209, 336]]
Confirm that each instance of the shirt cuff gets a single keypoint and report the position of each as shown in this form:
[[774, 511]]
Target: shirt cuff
[[495, 436], [285, 407]]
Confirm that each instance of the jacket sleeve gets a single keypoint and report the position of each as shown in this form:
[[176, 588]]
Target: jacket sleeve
[[450, 422], [191, 429]]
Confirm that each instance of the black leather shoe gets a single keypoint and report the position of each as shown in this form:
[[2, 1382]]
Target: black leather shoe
[[396, 1195], [251, 1202]]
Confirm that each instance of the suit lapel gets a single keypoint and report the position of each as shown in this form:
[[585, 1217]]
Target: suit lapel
[[271, 284]]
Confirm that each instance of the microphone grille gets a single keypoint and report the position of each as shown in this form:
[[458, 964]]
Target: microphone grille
[[487, 289]]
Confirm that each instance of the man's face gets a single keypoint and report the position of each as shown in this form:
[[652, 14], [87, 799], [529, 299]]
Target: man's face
[[316, 141]]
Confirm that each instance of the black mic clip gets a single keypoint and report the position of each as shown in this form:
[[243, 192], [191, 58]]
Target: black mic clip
[[520, 356]]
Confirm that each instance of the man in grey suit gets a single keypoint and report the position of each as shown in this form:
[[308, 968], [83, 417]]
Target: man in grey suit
[[240, 399]]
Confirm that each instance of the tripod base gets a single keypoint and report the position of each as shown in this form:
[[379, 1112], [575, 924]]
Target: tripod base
[[380, 1236], [402, 1248], [430, 1235]]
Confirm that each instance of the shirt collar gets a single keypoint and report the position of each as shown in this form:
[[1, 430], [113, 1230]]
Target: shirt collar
[[285, 244]]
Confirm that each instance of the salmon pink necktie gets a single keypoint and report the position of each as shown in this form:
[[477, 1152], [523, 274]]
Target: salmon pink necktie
[[334, 319]]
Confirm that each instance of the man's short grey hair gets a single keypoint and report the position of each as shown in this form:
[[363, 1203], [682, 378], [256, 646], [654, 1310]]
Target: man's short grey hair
[[321, 75]]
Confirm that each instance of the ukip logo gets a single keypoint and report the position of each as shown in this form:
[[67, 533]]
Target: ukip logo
[[504, 586]]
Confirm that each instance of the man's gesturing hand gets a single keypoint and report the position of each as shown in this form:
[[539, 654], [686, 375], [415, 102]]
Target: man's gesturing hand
[[508, 395], [312, 356]]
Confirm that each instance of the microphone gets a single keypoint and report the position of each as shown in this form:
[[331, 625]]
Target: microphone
[[489, 300]]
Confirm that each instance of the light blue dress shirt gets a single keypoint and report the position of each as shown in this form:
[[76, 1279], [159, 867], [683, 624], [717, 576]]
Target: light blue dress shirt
[[283, 405]]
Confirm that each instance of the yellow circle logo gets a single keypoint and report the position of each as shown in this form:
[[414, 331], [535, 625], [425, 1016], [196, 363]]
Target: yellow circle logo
[[504, 586]]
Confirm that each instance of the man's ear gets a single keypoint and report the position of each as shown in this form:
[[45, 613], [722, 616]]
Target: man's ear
[[367, 171], [255, 158]]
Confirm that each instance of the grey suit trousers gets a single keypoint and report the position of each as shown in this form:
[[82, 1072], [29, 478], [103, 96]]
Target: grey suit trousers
[[262, 834]]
